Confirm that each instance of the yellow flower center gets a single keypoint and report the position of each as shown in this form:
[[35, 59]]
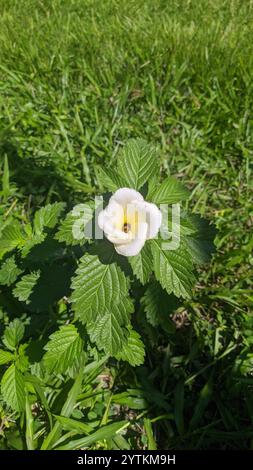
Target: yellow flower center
[[129, 220]]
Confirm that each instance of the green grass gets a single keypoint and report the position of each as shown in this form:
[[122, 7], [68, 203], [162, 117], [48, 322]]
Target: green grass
[[79, 77]]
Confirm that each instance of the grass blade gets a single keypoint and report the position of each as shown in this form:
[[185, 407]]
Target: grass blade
[[106, 432]]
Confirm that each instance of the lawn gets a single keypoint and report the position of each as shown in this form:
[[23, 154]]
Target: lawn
[[78, 78]]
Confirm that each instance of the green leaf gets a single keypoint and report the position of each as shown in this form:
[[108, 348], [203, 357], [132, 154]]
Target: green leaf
[[76, 227], [152, 183], [200, 243], [12, 236], [52, 286], [186, 222], [133, 351], [133, 398], [158, 305], [9, 272], [78, 364], [66, 411], [152, 300], [96, 287], [137, 162], [110, 180], [65, 232], [13, 388], [150, 435], [25, 286], [205, 395], [196, 236], [173, 269], [13, 334], [70, 424], [168, 192], [38, 386], [110, 332], [142, 264], [29, 428], [22, 361], [47, 217], [5, 357], [105, 432], [32, 242], [199, 249], [62, 349]]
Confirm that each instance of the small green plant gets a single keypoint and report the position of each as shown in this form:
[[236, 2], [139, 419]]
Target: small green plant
[[92, 302]]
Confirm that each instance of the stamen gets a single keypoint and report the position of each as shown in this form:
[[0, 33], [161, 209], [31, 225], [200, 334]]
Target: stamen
[[126, 227]]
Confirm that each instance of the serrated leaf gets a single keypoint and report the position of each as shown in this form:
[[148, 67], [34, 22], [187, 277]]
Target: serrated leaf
[[170, 191], [187, 227], [13, 334], [153, 181], [22, 361], [25, 286], [133, 351], [151, 300], [142, 264], [199, 249], [158, 305], [110, 332], [62, 349], [44, 253], [13, 388], [32, 242], [76, 228], [173, 269], [96, 287], [196, 236], [184, 224], [47, 217], [200, 243], [9, 272], [110, 180], [78, 365], [65, 232], [53, 284], [137, 162], [5, 357], [12, 236]]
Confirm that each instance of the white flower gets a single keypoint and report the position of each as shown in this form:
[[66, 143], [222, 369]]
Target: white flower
[[128, 221]]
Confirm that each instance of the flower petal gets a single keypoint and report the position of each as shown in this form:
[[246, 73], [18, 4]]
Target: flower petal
[[153, 218], [101, 219], [125, 196], [135, 246], [111, 218], [118, 237]]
